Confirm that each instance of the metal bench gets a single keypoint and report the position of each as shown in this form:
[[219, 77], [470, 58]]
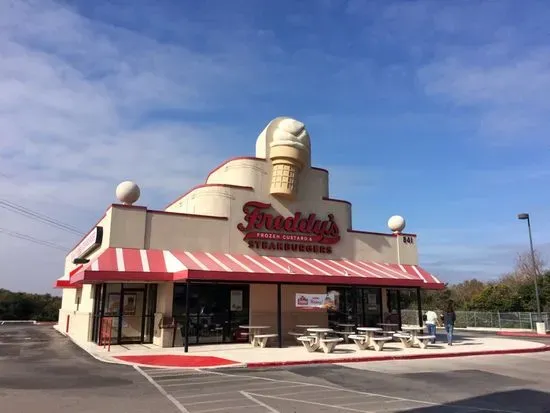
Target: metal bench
[[260, 340], [361, 341], [378, 342], [309, 343], [423, 341], [404, 338], [328, 344]]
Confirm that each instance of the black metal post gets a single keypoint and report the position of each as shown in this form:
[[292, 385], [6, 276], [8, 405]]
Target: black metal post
[[143, 311], [354, 312], [535, 270], [419, 304], [398, 298], [120, 315], [279, 316], [187, 288]]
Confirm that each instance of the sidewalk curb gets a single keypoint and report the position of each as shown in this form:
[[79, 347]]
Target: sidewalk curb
[[95, 356], [408, 357], [522, 334]]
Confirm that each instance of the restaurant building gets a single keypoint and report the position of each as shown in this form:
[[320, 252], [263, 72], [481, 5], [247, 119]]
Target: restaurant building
[[259, 243]]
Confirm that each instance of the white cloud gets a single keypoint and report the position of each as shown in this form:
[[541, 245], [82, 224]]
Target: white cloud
[[77, 116]]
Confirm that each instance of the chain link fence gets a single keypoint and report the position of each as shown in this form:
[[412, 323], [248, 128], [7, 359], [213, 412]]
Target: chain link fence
[[480, 319]]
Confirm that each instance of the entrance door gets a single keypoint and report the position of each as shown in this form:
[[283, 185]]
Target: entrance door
[[137, 314], [130, 310]]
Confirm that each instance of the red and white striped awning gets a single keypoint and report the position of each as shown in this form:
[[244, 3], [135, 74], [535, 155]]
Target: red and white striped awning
[[64, 282], [123, 265]]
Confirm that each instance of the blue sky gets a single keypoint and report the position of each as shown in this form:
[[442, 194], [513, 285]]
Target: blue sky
[[433, 110]]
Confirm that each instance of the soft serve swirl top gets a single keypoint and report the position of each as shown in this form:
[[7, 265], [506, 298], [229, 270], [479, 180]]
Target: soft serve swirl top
[[290, 132]]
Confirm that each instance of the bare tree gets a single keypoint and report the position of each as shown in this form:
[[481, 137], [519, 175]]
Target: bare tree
[[523, 270]]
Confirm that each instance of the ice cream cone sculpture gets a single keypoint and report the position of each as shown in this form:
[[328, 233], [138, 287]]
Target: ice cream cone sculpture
[[289, 153]]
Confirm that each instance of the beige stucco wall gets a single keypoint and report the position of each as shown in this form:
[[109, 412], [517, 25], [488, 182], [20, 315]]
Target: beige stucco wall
[[186, 225], [80, 316], [263, 307]]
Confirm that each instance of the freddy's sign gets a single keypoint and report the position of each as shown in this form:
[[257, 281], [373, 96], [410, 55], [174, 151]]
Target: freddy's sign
[[304, 233]]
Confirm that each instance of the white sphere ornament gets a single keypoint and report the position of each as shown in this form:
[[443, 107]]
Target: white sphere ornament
[[396, 223], [127, 192]]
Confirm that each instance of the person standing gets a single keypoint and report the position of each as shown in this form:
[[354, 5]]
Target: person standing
[[430, 319], [449, 318]]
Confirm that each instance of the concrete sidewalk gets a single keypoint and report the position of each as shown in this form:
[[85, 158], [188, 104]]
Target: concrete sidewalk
[[224, 355]]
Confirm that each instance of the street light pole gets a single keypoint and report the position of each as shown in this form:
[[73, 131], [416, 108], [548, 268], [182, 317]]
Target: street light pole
[[526, 217]]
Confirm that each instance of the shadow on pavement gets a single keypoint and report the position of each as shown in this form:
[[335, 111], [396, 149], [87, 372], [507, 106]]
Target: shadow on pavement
[[524, 401]]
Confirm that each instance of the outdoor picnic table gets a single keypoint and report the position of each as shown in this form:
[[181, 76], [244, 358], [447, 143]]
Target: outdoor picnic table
[[319, 335], [253, 330], [413, 330], [369, 332]]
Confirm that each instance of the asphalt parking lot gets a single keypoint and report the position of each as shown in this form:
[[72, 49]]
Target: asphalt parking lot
[[43, 371]]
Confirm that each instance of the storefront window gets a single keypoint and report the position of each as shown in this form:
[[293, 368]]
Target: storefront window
[[356, 305], [215, 312]]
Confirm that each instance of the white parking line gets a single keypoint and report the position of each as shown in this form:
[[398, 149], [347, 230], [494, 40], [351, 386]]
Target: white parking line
[[248, 388], [312, 403], [176, 403], [194, 383], [252, 394], [268, 407], [215, 401], [404, 399], [225, 409]]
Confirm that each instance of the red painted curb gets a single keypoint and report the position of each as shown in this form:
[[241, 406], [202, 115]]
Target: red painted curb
[[521, 334], [411, 357]]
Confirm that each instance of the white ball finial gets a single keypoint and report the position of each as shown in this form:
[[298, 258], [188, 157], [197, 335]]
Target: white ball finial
[[127, 192], [396, 223]]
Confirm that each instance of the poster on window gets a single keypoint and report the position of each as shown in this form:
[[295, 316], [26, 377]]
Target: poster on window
[[236, 300], [315, 301], [113, 304]]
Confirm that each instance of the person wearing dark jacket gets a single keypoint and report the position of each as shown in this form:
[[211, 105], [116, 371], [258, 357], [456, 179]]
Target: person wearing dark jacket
[[449, 318]]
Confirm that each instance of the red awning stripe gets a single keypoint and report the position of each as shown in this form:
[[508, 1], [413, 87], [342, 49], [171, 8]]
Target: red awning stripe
[[115, 262]]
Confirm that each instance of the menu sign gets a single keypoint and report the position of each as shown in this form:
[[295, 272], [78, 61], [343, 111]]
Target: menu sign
[[299, 232]]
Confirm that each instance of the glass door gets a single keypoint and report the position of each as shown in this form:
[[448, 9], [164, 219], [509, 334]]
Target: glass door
[[127, 310], [138, 311], [132, 301], [393, 312], [347, 307], [372, 306]]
